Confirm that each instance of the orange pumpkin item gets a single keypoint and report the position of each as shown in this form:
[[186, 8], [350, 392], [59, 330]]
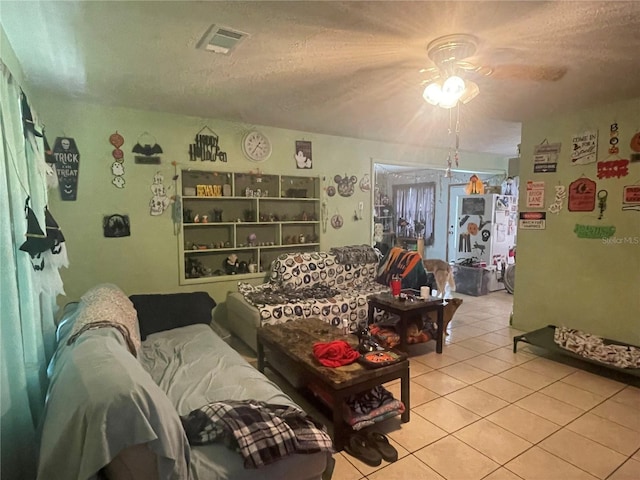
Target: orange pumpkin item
[[472, 228], [116, 140], [635, 142]]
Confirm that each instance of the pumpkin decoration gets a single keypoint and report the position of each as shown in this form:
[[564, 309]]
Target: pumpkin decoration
[[116, 139], [635, 142], [472, 228], [117, 154]]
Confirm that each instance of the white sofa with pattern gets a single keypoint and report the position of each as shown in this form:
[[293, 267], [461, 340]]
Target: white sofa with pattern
[[332, 286]]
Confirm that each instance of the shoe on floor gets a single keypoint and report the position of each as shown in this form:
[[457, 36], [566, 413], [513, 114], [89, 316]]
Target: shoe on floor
[[381, 443], [357, 446]]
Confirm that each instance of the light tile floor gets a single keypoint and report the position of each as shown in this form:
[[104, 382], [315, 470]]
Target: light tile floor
[[479, 411]]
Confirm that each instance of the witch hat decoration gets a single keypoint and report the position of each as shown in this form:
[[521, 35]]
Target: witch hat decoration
[[53, 231], [28, 125], [48, 153], [37, 242]]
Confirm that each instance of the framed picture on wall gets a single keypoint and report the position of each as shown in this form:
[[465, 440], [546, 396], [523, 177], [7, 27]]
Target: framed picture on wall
[[303, 154]]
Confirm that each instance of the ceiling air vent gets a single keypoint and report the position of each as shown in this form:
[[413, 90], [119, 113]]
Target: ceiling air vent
[[219, 39]]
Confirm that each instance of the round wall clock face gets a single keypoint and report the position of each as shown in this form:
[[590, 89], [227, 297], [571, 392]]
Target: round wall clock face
[[256, 146]]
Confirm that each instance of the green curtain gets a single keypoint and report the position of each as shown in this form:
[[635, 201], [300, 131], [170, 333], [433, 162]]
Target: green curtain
[[27, 329]]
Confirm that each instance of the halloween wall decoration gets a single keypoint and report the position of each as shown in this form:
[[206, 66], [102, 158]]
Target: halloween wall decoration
[[147, 151], [160, 201], [365, 183], [337, 221], [116, 225], [345, 184], [582, 195], [509, 187], [585, 148], [635, 148], [613, 139], [37, 242], [475, 186], [303, 154], [561, 194], [545, 157], [206, 147], [117, 167], [613, 168], [67, 158]]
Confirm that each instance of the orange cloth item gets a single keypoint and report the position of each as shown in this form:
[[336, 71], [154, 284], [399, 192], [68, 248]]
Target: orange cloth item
[[335, 354]]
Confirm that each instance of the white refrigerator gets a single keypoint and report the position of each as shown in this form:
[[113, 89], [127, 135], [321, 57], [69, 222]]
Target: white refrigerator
[[486, 229]]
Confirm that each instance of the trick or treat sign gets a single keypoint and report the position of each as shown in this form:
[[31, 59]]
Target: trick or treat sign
[[67, 159], [582, 195]]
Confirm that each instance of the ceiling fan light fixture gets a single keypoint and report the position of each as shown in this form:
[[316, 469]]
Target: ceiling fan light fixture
[[453, 87], [470, 92], [432, 93], [448, 101]]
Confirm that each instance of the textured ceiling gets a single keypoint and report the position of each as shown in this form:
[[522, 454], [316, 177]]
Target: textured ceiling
[[339, 68]]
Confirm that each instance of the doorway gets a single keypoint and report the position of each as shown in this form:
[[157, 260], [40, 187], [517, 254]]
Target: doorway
[[384, 227], [455, 190]]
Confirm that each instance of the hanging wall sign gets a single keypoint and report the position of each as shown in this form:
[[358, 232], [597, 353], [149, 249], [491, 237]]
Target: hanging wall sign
[[631, 197], [303, 154], [67, 158], [147, 151], [535, 194], [613, 168], [585, 148], [206, 147], [545, 157], [582, 195]]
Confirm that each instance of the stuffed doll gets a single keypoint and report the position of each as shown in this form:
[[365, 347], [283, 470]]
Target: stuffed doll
[[231, 264]]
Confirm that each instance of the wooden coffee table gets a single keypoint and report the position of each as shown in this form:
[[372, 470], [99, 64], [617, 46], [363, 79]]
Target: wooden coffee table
[[408, 310], [294, 340]]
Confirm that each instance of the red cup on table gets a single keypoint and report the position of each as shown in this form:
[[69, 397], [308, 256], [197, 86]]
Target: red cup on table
[[396, 285]]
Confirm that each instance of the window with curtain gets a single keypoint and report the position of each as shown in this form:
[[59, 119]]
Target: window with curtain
[[415, 207], [27, 294]]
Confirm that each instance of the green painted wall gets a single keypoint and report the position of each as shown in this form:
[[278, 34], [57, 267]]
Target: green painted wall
[[147, 261], [587, 284]]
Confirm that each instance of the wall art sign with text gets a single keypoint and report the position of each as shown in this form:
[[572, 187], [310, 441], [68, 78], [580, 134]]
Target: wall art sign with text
[[67, 159], [532, 220], [535, 194], [631, 197], [585, 148], [582, 195], [545, 157]]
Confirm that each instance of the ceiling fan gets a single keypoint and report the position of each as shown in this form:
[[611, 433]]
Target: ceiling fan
[[449, 80]]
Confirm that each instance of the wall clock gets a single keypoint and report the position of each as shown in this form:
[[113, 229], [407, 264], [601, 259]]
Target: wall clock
[[256, 146]]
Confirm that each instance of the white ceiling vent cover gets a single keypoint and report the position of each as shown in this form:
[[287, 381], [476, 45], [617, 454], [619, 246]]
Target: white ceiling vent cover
[[220, 39]]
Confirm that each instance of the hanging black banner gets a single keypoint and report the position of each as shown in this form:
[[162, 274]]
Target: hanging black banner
[[67, 159]]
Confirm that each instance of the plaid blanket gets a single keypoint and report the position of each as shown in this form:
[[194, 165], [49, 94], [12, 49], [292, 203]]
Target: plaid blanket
[[263, 433]]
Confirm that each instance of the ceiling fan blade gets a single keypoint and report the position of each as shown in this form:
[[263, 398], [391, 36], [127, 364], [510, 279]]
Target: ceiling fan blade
[[548, 73]]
